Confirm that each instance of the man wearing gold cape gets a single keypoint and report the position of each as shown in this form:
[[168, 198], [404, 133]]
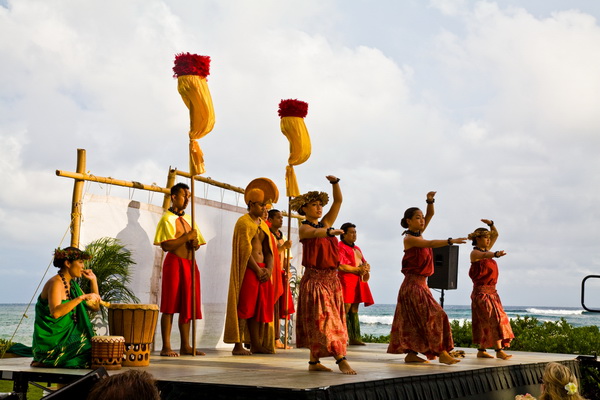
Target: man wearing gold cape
[[250, 300]]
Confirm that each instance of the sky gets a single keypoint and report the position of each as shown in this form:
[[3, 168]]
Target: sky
[[493, 104]]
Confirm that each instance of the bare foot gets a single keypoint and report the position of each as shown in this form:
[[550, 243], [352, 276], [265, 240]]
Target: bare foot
[[37, 364], [345, 366], [280, 345], [256, 349], [188, 351], [483, 354], [317, 367], [167, 352], [445, 358], [239, 350], [414, 358], [502, 355]]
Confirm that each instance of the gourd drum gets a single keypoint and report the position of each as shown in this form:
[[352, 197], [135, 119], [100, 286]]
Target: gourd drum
[[136, 323], [107, 351]]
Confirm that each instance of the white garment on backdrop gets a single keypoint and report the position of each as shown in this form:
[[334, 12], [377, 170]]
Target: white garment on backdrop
[[134, 224]]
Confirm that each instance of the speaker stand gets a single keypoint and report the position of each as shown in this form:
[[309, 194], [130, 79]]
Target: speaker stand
[[442, 299]]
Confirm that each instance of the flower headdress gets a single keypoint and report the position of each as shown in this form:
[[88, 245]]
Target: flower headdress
[[300, 201], [571, 388], [71, 254], [479, 232]]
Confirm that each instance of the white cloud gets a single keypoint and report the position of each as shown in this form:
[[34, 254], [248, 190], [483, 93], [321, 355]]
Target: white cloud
[[508, 131]]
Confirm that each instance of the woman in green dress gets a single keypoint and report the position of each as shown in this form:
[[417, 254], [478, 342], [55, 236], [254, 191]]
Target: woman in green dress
[[62, 331]]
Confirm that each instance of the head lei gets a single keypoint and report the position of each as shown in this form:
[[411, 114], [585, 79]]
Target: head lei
[[300, 201], [479, 232], [71, 254]]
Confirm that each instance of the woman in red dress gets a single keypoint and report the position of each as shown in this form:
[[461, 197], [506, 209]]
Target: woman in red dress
[[491, 326], [321, 321], [420, 324]]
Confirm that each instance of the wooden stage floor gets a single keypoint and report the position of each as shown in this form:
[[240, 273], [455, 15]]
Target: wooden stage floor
[[218, 374]]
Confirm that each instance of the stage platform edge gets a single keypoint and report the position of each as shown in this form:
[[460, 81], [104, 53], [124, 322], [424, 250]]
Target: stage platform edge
[[219, 375]]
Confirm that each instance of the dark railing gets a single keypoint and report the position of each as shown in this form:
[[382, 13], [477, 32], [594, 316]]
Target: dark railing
[[583, 293]]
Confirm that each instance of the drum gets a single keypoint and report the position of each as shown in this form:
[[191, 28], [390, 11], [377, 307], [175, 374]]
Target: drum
[[136, 323], [107, 351]]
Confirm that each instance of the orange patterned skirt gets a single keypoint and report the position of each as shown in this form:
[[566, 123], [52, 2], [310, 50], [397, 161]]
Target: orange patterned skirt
[[420, 324], [490, 322], [320, 320]]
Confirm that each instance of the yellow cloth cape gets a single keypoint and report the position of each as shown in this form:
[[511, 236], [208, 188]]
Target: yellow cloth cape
[[245, 229], [165, 230]]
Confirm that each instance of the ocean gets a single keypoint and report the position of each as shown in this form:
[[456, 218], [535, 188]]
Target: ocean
[[375, 320]]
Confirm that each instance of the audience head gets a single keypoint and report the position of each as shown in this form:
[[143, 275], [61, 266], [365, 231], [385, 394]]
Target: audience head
[[131, 384]]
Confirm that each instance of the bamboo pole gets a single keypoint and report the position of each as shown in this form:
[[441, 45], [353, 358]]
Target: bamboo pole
[[193, 272], [211, 181], [76, 201], [286, 288], [117, 182], [170, 183]]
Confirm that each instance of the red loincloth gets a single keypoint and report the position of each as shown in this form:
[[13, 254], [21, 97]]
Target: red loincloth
[[420, 324], [354, 289], [283, 313], [256, 298], [490, 322], [176, 293]]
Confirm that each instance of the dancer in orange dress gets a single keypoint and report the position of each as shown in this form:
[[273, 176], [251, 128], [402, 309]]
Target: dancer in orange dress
[[321, 321], [491, 326], [420, 324]]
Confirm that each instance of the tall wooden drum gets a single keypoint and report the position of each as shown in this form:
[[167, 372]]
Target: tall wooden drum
[[107, 351], [136, 323]]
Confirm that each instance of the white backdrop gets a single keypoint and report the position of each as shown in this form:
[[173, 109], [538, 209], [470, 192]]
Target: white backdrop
[[134, 224]]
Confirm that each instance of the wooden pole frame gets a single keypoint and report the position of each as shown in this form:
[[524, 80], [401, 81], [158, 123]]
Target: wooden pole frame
[[286, 287], [76, 201]]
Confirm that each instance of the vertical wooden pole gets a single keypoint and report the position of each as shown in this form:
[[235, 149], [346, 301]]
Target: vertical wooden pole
[[76, 202], [286, 287], [193, 270], [170, 182]]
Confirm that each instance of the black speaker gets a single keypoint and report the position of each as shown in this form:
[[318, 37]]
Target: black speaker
[[445, 261]]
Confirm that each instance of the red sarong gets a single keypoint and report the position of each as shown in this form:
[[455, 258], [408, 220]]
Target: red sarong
[[490, 322], [420, 324], [176, 293], [256, 298], [321, 320], [355, 290]]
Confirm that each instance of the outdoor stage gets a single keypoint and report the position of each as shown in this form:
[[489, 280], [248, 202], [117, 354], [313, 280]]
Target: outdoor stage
[[219, 375]]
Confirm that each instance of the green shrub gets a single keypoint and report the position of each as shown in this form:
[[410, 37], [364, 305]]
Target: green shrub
[[530, 335]]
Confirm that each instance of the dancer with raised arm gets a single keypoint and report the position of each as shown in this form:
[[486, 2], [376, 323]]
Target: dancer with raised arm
[[420, 324], [491, 326], [321, 322]]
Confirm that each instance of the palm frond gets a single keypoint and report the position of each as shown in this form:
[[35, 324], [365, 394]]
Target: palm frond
[[111, 263]]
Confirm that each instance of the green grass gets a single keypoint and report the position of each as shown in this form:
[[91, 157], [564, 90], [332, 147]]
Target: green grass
[[33, 393]]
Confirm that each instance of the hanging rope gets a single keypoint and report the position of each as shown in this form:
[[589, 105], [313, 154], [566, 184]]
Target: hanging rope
[[34, 293], [40, 283]]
